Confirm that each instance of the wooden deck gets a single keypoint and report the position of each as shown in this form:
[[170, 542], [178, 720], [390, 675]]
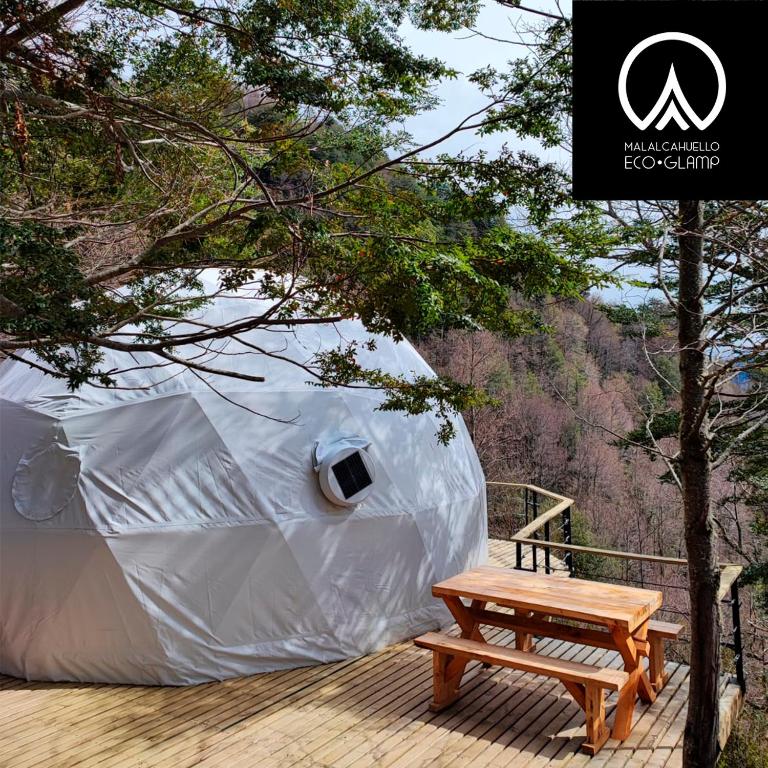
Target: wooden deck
[[370, 711]]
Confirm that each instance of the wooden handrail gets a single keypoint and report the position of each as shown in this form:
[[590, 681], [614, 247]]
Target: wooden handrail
[[728, 575], [729, 571], [542, 491], [602, 552], [545, 517], [563, 502]]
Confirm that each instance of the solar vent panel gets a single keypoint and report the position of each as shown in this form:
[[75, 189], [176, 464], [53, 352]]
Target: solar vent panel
[[352, 475]]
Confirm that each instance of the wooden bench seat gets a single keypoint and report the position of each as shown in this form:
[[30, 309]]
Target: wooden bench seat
[[583, 681], [664, 629], [572, 671], [658, 632]]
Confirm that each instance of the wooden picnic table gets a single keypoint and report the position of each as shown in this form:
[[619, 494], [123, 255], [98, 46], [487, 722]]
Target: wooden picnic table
[[616, 617]]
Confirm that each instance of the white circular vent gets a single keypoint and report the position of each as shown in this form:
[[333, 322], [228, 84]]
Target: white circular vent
[[347, 476], [45, 480]]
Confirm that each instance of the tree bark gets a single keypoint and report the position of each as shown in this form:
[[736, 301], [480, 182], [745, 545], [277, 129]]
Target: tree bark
[[701, 728]]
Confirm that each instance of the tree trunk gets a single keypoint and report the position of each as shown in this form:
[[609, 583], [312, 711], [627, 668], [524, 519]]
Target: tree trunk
[[701, 727]]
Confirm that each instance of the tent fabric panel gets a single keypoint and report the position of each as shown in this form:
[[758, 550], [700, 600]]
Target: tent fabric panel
[[68, 613]]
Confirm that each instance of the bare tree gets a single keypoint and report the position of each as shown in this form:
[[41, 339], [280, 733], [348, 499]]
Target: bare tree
[[710, 262]]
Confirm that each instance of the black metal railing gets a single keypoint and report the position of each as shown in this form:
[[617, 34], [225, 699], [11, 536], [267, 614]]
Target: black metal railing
[[562, 530], [736, 645], [568, 539]]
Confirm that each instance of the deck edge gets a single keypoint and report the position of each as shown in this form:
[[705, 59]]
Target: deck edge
[[731, 703]]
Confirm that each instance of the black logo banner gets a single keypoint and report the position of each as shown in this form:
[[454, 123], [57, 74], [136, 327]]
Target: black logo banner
[[667, 98]]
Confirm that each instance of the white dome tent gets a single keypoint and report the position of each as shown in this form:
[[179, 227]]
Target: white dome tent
[[158, 533]]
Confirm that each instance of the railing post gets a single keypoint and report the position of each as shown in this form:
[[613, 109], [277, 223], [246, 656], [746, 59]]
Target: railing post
[[568, 558], [547, 569], [518, 556], [534, 496], [737, 647]]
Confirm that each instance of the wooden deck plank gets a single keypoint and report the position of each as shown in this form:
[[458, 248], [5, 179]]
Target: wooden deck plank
[[675, 703], [675, 759], [570, 734], [615, 754], [332, 746], [278, 730], [390, 724], [166, 709], [674, 730], [517, 739], [370, 725], [481, 714], [533, 705], [402, 730], [360, 721], [648, 717], [507, 739], [567, 734], [159, 716], [359, 713], [408, 681], [412, 721], [221, 725]]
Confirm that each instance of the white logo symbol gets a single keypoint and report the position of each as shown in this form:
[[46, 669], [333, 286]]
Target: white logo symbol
[[672, 87]]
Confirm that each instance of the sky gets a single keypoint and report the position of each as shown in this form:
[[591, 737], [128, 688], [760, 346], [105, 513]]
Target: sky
[[467, 53]]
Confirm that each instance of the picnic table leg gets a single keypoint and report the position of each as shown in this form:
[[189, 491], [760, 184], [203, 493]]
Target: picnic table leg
[[645, 689], [625, 707], [524, 640], [658, 673], [597, 730], [638, 681], [448, 670]]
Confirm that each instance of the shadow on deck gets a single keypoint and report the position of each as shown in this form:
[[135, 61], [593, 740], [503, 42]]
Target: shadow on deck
[[370, 711]]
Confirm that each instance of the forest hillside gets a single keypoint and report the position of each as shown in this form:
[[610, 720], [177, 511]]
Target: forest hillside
[[578, 404]]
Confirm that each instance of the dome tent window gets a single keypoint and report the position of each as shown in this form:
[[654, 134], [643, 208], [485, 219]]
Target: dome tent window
[[45, 480]]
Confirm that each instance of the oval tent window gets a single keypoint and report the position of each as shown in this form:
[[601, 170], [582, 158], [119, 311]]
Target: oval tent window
[[45, 481]]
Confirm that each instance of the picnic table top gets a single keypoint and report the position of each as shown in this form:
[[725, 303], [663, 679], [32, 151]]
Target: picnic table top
[[579, 599]]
